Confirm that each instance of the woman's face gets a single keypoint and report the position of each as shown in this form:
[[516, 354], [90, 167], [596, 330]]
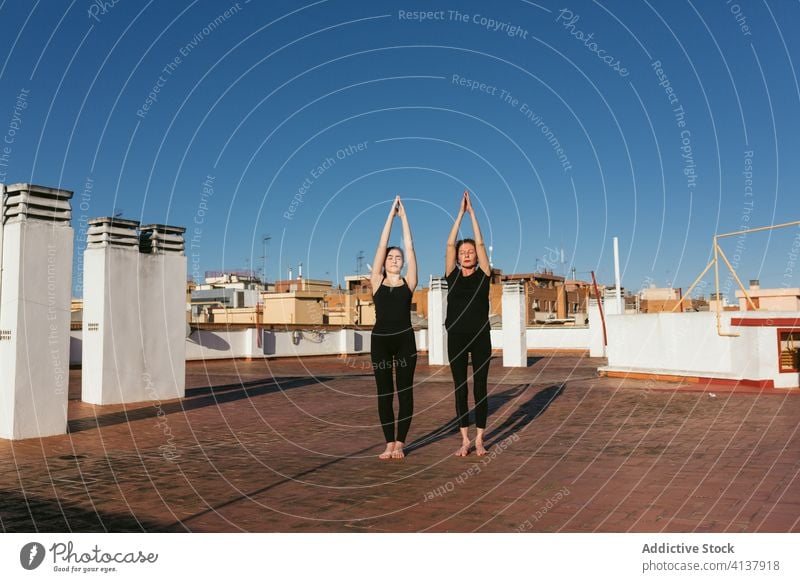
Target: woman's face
[[394, 262], [467, 256]]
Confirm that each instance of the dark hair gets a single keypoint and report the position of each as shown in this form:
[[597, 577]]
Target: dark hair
[[461, 242], [389, 249]]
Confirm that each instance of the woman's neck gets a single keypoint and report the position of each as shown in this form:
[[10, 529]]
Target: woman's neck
[[393, 278], [467, 271]]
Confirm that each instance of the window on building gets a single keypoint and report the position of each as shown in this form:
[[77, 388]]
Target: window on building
[[789, 346]]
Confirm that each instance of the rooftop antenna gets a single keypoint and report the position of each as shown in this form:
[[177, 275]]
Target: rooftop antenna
[[491, 264], [265, 240], [359, 262]]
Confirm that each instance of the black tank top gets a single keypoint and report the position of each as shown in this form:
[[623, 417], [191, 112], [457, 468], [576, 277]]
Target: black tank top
[[392, 309], [467, 302]]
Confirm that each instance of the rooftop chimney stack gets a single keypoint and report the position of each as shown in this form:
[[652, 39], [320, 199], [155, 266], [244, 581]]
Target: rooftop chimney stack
[[162, 310], [112, 341], [437, 310], [36, 289], [515, 346], [133, 319]]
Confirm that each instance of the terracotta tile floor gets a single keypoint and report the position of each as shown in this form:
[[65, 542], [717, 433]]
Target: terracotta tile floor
[[290, 445]]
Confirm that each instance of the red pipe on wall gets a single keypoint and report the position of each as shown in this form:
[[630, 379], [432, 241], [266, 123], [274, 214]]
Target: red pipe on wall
[[600, 305]]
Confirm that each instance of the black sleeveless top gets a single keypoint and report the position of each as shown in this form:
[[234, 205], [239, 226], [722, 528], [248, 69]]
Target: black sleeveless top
[[467, 302], [392, 309]]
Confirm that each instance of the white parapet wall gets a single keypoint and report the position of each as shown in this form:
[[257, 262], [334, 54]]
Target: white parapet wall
[[315, 342], [688, 345], [35, 298], [597, 346], [204, 344], [550, 338]]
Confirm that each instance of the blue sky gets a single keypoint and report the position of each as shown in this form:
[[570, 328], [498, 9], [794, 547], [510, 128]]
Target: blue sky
[[571, 123]]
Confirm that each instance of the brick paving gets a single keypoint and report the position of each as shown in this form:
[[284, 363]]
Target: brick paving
[[290, 446]]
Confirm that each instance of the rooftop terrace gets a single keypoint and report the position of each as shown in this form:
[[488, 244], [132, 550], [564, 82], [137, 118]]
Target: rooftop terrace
[[290, 446]]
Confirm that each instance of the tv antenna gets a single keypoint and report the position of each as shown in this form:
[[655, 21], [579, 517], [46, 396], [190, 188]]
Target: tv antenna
[[359, 262], [265, 241]]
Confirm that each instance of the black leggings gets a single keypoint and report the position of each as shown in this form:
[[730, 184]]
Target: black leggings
[[398, 352], [459, 346]]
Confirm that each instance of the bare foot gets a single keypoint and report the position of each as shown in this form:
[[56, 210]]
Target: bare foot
[[464, 450], [479, 450], [387, 454], [398, 453]]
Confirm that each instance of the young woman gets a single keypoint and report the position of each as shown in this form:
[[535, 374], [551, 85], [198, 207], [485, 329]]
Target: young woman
[[393, 344], [467, 272]]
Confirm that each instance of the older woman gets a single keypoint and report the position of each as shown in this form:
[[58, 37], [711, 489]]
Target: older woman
[[467, 271]]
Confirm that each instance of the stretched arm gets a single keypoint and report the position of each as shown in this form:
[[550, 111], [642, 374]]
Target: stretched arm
[[480, 248], [408, 243], [380, 252], [450, 254]]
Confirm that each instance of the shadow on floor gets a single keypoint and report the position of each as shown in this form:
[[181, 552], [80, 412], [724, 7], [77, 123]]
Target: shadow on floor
[[496, 401], [525, 414], [197, 398], [28, 514]]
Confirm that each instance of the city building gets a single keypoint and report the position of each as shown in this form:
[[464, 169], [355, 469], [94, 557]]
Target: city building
[[782, 299], [549, 298]]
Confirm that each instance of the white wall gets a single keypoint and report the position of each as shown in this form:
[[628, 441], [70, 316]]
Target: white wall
[[75, 347], [597, 348], [216, 345], [549, 338], [687, 344], [315, 342]]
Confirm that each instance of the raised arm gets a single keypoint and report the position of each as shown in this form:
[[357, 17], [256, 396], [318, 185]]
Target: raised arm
[[380, 253], [411, 258], [450, 254], [480, 248]]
